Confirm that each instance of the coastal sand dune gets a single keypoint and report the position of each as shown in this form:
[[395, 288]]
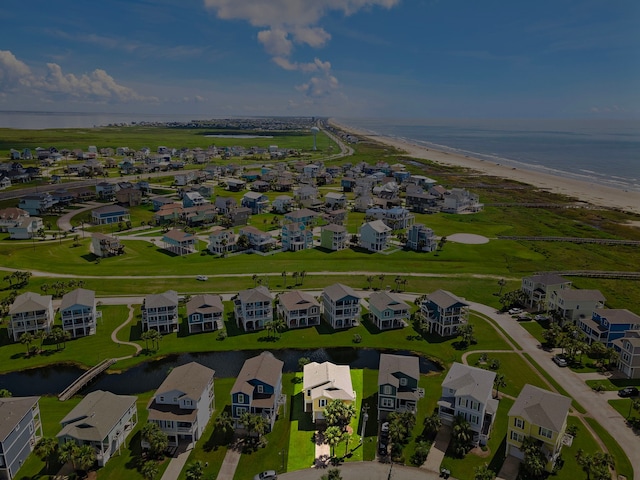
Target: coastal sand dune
[[592, 193]]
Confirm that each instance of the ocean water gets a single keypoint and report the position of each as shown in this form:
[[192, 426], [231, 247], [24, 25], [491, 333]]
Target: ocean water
[[596, 151]]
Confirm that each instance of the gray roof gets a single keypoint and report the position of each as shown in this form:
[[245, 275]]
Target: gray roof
[[338, 291], [110, 209], [390, 364], [206, 303], [254, 195], [302, 213], [265, 367], [574, 294], [541, 407], [548, 279], [30, 302], [470, 381], [444, 299], [166, 299], [618, 316], [190, 379], [384, 300], [79, 296], [378, 226], [96, 415], [258, 294], [12, 410], [332, 227], [296, 300], [178, 235]]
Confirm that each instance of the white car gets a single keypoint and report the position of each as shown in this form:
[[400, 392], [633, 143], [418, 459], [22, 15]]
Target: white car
[[541, 318], [515, 311], [202, 278], [268, 475]]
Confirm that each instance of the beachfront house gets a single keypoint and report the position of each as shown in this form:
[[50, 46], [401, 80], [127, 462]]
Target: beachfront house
[[253, 308], [398, 391], [105, 245], [444, 312], [628, 348], [298, 309], [20, 430], [341, 306], [183, 404], [333, 237], [295, 237], [467, 392], [608, 324], [258, 389], [160, 312], [102, 420], [541, 415], [79, 313], [205, 313], [571, 304], [30, 313], [421, 238], [387, 310], [109, 214], [537, 289], [374, 236], [323, 383]]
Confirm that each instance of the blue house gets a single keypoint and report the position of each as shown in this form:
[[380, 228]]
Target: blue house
[[109, 214], [258, 388], [398, 377], [256, 201], [37, 204], [421, 238], [608, 324], [20, 430]]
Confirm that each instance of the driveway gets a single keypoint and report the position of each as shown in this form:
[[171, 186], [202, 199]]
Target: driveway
[[595, 404], [365, 470]]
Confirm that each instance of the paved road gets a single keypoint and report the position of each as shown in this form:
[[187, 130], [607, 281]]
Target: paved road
[[365, 471], [595, 404]]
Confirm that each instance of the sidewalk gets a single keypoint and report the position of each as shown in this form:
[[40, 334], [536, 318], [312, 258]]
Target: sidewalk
[[176, 464]]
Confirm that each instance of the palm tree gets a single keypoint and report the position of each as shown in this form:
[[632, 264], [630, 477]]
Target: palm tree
[[381, 278], [224, 422], [85, 457], [26, 339], [67, 453], [195, 470], [254, 277], [502, 282], [284, 276], [498, 382], [149, 469], [369, 280], [302, 275], [45, 448], [332, 474], [41, 335], [279, 325], [483, 472], [461, 435], [152, 434], [346, 437], [4, 393], [432, 423], [333, 436]]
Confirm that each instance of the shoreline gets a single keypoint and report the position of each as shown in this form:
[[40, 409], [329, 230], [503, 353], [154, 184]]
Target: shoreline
[[584, 191]]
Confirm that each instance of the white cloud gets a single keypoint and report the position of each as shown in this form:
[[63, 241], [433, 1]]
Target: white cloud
[[97, 86], [286, 23]]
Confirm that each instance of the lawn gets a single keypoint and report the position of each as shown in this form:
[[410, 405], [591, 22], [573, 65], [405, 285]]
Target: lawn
[[516, 370], [86, 351]]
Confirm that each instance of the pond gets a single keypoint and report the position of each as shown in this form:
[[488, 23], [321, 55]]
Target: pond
[[53, 379]]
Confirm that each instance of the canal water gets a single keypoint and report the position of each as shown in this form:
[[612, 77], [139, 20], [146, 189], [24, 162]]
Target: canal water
[[53, 379]]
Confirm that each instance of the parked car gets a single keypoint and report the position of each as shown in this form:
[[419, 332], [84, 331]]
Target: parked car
[[628, 392], [560, 361], [202, 278], [383, 444], [515, 311], [541, 318], [523, 317], [266, 475]]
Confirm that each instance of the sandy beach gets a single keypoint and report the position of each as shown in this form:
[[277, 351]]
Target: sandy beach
[[591, 193]]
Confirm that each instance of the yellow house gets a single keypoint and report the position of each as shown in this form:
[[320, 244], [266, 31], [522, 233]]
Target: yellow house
[[323, 383], [541, 415]]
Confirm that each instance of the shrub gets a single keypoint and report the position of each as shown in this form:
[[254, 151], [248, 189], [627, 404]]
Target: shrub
[[357, 338]]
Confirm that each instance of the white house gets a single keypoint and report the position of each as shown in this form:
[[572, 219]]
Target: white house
[[387, 310], [253, 308], [298, 309], [467, 391], [184, 403], [374, 236], [79, 313], [101, 419], [30, 313]]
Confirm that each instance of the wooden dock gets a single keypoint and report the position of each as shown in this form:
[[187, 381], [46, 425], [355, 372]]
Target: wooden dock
[[85, 378]]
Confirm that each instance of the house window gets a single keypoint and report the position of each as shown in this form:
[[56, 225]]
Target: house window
[[387, 403], [517, 437], [322, 403], [240, 398], [260, 388], [386, 390], [518, 423], [545, 432], [403, 382]]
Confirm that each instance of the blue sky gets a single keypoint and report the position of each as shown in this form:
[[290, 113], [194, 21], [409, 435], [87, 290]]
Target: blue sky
[[341, 58]]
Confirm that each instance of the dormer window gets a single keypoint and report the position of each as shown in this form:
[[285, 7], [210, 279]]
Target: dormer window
[[403, 382], [260, 388]]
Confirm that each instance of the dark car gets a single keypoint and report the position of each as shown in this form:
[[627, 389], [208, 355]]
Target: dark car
[[628, 392]]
